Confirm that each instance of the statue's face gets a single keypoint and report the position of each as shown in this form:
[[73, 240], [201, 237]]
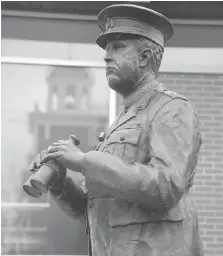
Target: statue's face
[[122, 65]]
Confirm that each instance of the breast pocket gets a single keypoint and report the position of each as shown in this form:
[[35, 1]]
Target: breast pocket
[[123, 143]]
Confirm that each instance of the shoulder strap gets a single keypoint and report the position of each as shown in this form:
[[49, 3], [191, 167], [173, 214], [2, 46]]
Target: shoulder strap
[[174, 94], [162, 97]]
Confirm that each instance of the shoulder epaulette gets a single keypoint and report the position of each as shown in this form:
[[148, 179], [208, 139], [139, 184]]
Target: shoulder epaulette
[[174, 94]]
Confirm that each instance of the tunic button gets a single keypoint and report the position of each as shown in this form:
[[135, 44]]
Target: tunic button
[[122, 138]]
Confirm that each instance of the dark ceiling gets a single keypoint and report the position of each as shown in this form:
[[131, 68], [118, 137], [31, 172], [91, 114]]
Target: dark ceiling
[[205, 10]]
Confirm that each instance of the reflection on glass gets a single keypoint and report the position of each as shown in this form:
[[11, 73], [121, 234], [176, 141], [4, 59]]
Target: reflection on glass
[[41, 105]]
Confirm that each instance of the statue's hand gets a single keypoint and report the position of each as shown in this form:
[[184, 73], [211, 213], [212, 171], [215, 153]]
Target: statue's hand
[[36, 163], [66, 154]]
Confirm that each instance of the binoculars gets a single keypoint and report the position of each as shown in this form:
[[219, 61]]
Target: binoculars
[[42, 179]]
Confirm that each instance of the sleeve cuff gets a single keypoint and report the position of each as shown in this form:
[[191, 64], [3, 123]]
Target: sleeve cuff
[[57, 193]]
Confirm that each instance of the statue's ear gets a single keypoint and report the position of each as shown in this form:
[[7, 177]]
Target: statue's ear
[[145, 58]]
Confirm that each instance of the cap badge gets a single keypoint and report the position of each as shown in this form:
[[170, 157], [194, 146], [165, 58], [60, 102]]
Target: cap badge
[[109, 23]]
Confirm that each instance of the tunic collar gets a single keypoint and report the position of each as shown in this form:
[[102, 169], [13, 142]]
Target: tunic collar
[[140, 93]]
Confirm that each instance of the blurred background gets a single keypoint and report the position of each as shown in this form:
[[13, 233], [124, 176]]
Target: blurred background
[[53, 84]]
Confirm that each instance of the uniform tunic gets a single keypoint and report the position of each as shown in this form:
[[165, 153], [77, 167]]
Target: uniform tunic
[[135, 190]]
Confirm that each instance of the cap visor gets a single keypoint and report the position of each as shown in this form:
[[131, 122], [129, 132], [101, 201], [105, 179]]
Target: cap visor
[[103, 38]]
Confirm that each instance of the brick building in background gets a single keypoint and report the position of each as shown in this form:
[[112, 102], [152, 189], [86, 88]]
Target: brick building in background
[[65, 33], [205, 91]]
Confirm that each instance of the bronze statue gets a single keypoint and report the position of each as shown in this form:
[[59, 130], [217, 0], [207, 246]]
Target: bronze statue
[[134, 195]]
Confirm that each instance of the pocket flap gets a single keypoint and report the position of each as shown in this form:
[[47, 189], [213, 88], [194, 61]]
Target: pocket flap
[[130, 136], [123, 213]]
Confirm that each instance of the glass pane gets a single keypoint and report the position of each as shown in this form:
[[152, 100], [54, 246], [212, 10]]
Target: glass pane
[[40, 105], [52, 50]]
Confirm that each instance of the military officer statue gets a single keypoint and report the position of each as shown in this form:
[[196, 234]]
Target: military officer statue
[[135, 190]]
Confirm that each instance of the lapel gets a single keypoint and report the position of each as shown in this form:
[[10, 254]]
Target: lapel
[[124, 118], [121, 119], [114, 124]]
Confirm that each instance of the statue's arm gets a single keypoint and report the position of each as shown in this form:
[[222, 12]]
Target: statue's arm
[[72, 199], [160, 183]]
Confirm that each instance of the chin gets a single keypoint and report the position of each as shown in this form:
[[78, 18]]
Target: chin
[[113, 82]]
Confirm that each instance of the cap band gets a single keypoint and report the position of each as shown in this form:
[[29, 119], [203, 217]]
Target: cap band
[[132, 26]]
